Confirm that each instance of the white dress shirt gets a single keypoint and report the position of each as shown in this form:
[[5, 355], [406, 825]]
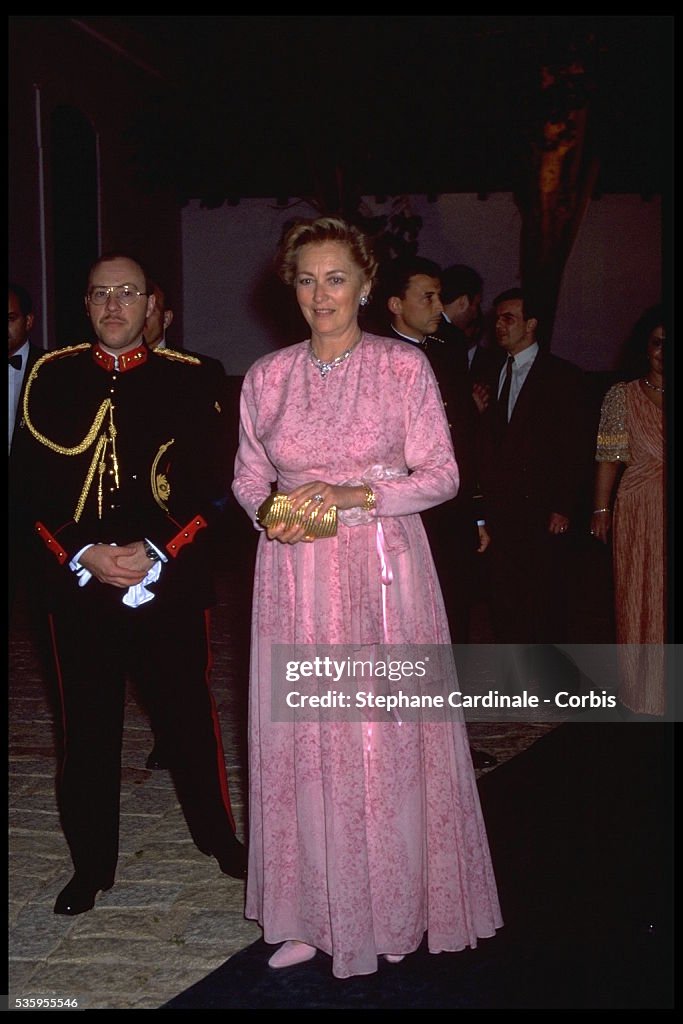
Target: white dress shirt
[[15, 380]]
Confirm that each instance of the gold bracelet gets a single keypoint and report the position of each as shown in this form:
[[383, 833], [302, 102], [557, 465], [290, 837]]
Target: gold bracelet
[[370, 499], [597, 511]]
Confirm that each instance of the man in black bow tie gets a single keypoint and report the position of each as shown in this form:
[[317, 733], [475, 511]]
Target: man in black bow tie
[[128, 475], [21, 352], [22, 355]]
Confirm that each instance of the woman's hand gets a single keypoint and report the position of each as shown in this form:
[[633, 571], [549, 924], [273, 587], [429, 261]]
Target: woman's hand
[[317, 496], [606, 474], [601, 523], [288, 534]]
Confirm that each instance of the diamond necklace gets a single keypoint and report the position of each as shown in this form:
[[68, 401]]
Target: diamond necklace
[[324, 367], [653, 387]]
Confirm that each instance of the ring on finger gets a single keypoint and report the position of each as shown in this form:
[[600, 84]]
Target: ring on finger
[[318, 498]]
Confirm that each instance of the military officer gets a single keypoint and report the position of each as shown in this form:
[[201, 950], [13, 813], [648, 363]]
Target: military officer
[[122, 449]]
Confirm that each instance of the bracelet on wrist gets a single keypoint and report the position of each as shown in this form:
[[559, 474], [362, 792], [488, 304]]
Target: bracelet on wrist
[[370, 499], [597, 511]]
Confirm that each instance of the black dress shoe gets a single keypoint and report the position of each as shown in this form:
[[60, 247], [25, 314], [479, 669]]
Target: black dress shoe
[[157, 759], [480, 759], [79, 896], [233, 861]]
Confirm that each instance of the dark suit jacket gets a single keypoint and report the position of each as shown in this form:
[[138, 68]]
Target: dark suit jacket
[[456, 343], [447, 353], [536, 465], [452, 526], [216, 381], [485, 365]]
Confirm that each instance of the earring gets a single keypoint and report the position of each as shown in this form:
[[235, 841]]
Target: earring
[[363, 300]]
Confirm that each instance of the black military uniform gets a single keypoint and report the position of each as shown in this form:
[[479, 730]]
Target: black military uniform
[[118, 450]]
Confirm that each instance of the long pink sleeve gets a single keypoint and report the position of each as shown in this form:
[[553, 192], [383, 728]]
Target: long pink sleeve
[[379, 417]]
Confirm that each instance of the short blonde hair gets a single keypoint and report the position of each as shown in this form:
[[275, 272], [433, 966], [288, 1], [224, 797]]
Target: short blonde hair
[[324, 229]]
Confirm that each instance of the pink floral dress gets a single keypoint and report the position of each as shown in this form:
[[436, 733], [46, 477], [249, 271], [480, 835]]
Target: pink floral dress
[[364, 834]]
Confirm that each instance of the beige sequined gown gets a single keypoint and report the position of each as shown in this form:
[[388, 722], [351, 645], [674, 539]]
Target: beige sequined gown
[[632, 431]]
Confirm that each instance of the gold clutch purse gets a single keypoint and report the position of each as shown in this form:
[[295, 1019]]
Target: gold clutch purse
[[277, 508]]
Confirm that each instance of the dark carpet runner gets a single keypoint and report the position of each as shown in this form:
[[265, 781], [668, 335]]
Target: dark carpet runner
[[581, 832]]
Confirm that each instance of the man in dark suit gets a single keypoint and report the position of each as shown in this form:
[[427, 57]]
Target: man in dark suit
[[159, 320], [532, 457], [411, 289], [22, 355], [483, 363], [462, 290], [126, 481]]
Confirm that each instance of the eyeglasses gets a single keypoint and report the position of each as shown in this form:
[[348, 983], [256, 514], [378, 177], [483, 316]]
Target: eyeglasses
[[126, 294]]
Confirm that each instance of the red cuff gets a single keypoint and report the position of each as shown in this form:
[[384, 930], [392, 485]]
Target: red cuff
[[186, 535], [50, 543]]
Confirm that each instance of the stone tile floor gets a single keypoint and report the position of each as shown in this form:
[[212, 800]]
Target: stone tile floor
[[171, 917]]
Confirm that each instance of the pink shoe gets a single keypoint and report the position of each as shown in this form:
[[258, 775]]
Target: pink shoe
[[393, 958], [292, 952]]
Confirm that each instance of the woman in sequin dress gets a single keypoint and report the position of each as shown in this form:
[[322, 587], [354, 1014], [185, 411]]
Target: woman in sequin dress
[[631, 435], [366, 832]]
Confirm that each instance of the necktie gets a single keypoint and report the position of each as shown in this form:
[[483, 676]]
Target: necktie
[[504, 397], [15, 361]]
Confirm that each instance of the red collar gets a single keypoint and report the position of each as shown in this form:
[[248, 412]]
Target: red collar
[[126, 361]]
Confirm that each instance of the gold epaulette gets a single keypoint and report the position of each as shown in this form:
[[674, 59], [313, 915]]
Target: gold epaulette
[[58, 353], [78, 449], [172, 353]]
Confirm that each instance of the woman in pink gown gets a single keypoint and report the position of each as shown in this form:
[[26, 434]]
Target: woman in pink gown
[[631, 435], [364, 834]]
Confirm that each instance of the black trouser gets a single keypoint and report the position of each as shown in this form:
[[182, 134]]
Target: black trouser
[[99, 644], [453, 539], [527, 598], [527, 578]]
